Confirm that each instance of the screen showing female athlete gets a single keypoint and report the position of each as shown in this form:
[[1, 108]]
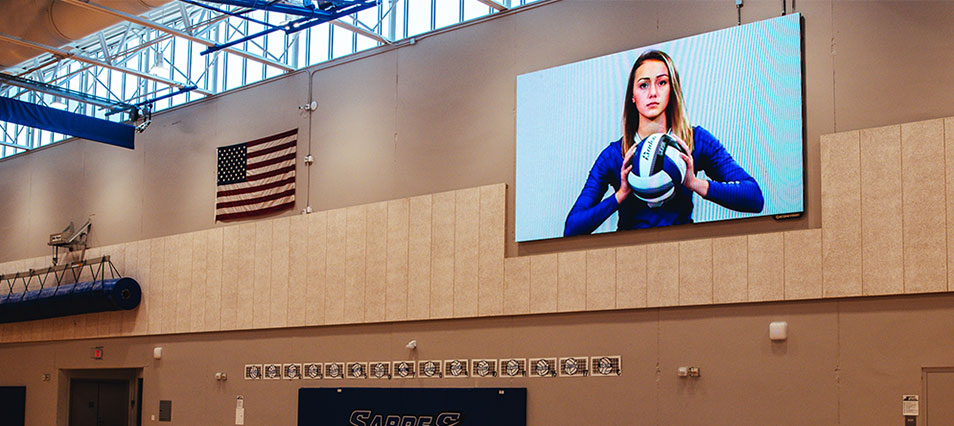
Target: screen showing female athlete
[[654, 104]]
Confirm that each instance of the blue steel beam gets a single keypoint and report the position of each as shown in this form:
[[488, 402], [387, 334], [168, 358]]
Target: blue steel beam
[[340, 9], [325, 9], [225, 12]]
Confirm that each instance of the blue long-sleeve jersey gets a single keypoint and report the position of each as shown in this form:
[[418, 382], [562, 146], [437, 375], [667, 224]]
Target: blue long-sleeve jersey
[[729, 186]]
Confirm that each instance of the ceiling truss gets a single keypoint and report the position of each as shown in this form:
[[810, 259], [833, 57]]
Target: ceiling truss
[[115, 68]]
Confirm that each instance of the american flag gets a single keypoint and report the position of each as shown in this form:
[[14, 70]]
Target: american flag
[[257, 177]]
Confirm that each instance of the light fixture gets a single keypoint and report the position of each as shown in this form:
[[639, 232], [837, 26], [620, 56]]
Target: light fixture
[[58, 103], [159, 67]]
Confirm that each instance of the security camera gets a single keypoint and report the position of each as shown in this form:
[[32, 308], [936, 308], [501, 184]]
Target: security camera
[[412, 345]]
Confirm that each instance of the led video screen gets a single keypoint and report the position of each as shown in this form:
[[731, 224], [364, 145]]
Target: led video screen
[[603, 145]]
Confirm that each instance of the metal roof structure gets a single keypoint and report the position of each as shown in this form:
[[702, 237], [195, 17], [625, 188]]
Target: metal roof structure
[[184, 50]]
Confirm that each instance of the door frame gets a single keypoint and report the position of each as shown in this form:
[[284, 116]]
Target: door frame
[[127, 375], [922, 409]]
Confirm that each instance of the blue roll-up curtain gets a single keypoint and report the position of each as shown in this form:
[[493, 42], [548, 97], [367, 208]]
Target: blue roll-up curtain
[[71, 299], [54, 120]]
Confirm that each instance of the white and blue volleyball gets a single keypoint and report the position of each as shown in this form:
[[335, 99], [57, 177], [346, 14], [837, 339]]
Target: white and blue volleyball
[[657, 169]]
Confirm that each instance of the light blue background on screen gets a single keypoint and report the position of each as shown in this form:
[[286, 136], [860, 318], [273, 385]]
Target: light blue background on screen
[[743, 84]]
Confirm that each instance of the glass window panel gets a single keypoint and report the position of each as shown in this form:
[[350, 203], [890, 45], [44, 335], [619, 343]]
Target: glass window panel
[[364, 43], [319, 44], [418, 17], [253, 73], [232, 29], [342, 42], [276, 44], [475, 9], [198, 65], [304, 47], [399, 18], [233, 72], [448, 13]]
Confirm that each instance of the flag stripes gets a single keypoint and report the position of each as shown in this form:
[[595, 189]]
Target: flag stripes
[[257, 177]]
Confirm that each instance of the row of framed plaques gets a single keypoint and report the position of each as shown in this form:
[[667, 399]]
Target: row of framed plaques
[[579, 366]]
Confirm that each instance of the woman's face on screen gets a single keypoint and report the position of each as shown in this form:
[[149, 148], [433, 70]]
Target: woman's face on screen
[[651, 89]]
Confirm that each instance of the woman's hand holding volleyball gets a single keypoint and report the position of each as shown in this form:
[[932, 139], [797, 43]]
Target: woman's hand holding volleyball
[[624, 189], [699, 186]]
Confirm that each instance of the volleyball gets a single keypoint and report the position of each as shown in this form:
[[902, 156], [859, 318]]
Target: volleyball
[[657, 169]]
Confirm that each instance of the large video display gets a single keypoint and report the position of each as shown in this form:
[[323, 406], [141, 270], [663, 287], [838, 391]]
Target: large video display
[[604, 144]]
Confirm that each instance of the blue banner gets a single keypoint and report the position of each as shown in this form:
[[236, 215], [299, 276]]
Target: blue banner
[[412, 407], [54, 120]]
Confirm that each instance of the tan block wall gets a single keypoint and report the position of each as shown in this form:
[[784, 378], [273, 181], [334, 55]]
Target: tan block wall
[[884, 231]]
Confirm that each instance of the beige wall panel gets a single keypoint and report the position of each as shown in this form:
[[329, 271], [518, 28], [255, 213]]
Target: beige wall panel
[[246, 294], [355, 260], [140, 316], [803, 264], [115, 318], [232, 281], [631, 277], [442, 255], [466, 247], [881, 234], [183, 283], [376, 263], [261, 298], [662, 274], [298, 299], [316, 278], [336, 245], [695, 272], [841, 208], [949, 168], [13, 333], [493, 226], [213, 293], [157, 271], [131, 270], [600, 279], [278, 312], [397, 260], [93, 320], [152, 296], [113, 323], [200, 282], [571, 281], [766, 267], [730, 271], [516, 299], [419, 257], [923, 205], [543, 283]]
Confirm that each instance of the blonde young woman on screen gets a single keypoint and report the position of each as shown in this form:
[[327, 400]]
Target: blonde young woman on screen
[[654, 104]]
